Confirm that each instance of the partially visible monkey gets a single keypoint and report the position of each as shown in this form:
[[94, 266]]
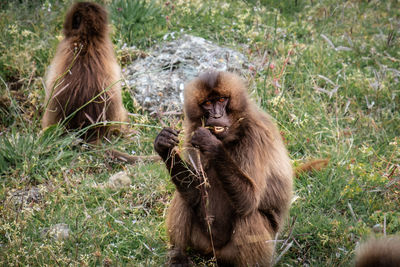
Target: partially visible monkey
[[383, 252], [247, 169], [82, 84]]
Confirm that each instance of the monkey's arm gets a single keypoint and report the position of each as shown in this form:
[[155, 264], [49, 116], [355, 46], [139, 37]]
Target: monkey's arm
[[182, 175], [240, 187]]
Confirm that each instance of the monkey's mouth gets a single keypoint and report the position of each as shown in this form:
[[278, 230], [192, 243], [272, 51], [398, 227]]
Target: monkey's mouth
[[217, 129]]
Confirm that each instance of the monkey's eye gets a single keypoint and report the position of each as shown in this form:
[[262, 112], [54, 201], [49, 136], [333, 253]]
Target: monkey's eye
[[222, 99], [207, 103]]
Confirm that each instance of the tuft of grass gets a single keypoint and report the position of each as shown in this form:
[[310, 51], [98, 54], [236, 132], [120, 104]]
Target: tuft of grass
[[137, 22], [33, 155]]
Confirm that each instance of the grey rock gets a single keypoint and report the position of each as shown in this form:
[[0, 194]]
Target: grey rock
[[158, 79], [58, 232], [119, 180], [377, 228], [24, 197]]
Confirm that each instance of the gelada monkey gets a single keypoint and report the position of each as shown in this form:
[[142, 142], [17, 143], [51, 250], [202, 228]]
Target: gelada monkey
[[382, 252], [82, 83], [234, 183]]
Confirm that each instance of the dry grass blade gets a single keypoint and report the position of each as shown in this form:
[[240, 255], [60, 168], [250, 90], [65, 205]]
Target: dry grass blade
[[204, 184]]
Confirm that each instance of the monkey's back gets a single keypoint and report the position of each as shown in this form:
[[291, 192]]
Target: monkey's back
[[82, 82]]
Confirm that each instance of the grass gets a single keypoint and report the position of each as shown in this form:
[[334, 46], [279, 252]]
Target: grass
[[327, 71]]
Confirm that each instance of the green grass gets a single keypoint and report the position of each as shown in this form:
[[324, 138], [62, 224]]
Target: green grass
[[336, 207]]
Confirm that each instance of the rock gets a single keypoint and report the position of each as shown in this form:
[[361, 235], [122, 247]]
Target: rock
[[377, 228], [159, 78], [22, 198], [58, 232], [119, 180]]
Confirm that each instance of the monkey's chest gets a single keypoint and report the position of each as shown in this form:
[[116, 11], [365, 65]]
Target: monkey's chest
[[216, 212]]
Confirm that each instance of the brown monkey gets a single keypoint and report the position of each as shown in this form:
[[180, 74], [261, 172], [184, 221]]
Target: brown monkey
[[82, 84], [384, 252], [247, 169]]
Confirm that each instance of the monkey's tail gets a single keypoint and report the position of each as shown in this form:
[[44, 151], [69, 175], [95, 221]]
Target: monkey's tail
[[313, 165], [85, 21], [379, 252], [125, 157]]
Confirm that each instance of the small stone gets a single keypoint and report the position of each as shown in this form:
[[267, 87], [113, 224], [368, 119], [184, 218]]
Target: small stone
[[25, 197], [377, 228], [58, 232], [119, 180]]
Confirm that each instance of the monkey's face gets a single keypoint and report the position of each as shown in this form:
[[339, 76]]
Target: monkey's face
[[216, 117]]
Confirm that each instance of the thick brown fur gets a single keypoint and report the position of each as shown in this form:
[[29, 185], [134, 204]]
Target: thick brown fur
[[313, 165], [84, 75], [249, 175], [384, 252]]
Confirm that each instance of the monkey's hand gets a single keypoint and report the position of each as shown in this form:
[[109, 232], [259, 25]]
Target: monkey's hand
[[207, 142], [165, 141]]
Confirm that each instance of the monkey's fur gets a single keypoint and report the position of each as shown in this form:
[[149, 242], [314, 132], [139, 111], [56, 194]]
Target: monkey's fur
[[83, 77], [383, 252], [249, 175]]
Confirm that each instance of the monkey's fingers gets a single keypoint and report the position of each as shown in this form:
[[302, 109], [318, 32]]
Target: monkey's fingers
[[167, 143], [195, 143], [169, 135], [171, 131]]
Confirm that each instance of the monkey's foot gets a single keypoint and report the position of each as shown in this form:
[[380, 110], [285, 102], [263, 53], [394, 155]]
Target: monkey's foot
[[177, 258]]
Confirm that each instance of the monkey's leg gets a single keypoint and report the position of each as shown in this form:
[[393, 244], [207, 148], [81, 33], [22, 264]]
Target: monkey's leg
[[252, 243], [179, 222]]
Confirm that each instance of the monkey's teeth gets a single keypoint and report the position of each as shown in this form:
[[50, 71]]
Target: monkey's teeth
[[218, 129]]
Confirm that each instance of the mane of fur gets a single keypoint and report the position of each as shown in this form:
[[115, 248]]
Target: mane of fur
[[254, 137]]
